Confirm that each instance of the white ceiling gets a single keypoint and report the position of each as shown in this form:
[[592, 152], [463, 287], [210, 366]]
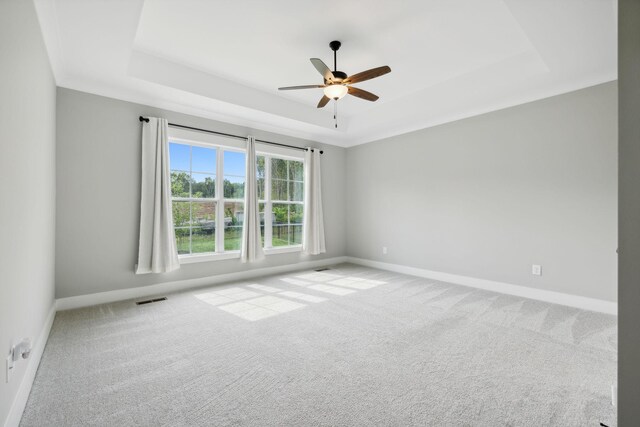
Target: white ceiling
[[224, 60]]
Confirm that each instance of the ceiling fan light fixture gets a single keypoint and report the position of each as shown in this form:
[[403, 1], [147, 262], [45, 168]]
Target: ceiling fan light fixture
[[335, 91]]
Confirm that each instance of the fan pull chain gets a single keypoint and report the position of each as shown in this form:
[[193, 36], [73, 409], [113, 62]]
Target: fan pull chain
[[335, 113]]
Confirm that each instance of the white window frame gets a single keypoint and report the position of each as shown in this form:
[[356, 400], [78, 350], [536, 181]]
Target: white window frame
[[222, 144]]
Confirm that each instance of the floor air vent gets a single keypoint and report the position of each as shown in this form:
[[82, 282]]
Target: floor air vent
[[322, 269], [149, 301]]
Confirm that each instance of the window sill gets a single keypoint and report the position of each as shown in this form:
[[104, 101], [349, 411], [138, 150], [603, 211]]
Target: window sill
[[190, 259], [283, 250]]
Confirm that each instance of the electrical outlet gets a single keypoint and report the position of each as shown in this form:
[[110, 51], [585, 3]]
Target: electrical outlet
[[536, 270], [9, 368], [384, 250]]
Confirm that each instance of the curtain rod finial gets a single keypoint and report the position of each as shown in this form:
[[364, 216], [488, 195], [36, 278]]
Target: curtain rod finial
[[143, 119]]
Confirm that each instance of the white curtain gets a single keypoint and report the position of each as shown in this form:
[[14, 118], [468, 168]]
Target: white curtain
[[157, 252], [313, 224], [251, 242]]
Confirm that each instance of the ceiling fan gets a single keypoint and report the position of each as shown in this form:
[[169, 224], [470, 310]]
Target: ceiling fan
[[337, 84]]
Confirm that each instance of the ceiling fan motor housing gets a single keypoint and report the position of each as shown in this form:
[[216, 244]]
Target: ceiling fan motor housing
[[338, 76]]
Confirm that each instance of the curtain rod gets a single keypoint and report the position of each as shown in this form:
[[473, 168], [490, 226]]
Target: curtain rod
[[146, 119]]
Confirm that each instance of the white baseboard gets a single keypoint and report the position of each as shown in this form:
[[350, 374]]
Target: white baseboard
[[168, 287], [577, 301], [20, 401]]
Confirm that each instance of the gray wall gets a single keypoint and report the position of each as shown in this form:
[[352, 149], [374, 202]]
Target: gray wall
[[98, 196], [491, 195], [27, 185], [629, 214]]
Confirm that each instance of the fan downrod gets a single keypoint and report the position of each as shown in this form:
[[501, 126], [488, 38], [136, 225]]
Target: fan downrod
[[339, 75]]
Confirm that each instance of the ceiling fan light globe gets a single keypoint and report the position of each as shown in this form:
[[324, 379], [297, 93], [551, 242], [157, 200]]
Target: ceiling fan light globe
[[335, 91]]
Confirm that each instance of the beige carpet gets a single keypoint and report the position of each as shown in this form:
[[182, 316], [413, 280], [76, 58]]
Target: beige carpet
[[351, 346]]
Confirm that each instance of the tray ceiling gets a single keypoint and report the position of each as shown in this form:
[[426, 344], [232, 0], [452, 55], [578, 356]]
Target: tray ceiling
[[225, 60]]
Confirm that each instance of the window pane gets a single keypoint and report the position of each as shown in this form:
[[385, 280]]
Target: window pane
[[234, 163], [233, 220], [233, 187], [203, 160], [260, 171], [278, 169], [202, 240], [233, 213], [181, 214], [295, 214], [280, 235], [278, 189], [180, 184], [261, 194], [261, 210], [296, 234], [203, 185], [182, 240], [203, 214], [295, 170], [179, 157], [232, 237], [280, 213], [295, 191]]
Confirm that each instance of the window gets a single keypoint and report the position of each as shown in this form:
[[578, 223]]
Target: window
[[207, 189], [280, 190]]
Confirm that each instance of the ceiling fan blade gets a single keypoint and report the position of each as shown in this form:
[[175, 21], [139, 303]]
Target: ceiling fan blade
[[362, 94], [300, 87], [322, 69], [368, 75], [323, 101]]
